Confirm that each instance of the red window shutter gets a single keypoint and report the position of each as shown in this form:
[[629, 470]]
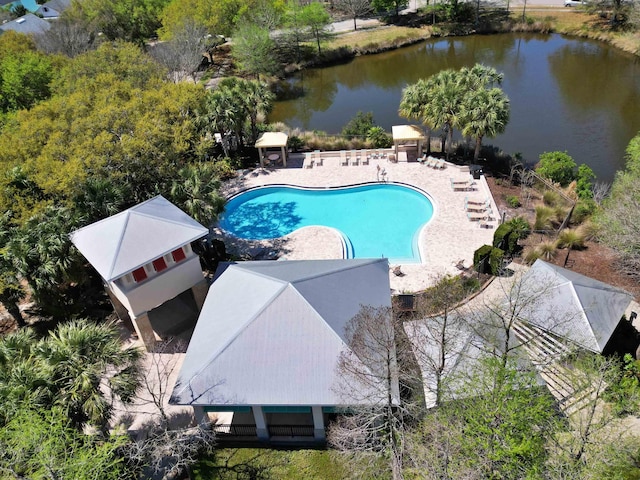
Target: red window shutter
[[178, 255], [139, 274], [159, 264]]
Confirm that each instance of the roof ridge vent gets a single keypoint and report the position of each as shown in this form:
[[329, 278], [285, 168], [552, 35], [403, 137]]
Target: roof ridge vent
[[21, 20]]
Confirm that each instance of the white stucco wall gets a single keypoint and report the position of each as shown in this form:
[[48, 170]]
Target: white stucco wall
[[161, 287]]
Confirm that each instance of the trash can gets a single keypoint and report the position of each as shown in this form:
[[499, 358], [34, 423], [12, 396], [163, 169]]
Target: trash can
[[476, 173]]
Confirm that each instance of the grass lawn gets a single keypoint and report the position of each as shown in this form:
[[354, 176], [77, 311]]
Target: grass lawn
[[264, 464], [379, 36]]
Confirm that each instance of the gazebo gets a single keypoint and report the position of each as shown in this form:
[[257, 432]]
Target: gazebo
[[272, 140], [407, 133]]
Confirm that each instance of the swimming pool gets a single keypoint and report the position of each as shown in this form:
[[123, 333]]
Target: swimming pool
[[376, 220]]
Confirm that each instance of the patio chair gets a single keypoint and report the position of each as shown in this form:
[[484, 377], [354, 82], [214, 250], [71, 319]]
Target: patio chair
[[476, 217], [355, 159], [319, 161], [459, 185], [344, 160], [364, 157], [308, 160]]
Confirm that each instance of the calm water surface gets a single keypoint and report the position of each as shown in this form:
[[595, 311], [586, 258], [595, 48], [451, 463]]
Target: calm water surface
[[361, 213], [566, 94]]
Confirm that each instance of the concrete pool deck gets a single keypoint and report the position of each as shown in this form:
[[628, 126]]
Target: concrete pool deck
[[450, 237]]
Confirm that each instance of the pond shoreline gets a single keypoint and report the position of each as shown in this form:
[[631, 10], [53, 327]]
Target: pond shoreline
[[543, 26]]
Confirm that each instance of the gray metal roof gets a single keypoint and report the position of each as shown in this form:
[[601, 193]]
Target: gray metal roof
[[270, 333], [573, 306], [129, 239], [27, 24], [57, 5]]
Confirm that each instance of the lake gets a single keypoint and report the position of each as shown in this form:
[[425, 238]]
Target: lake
[[567, 94]]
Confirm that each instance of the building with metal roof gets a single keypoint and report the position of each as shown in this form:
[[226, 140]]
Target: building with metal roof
[[269, 337], [144, 256], [572, 306]]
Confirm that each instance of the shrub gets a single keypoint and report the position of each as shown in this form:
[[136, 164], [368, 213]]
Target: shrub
[[584, 182], [583, 210], [558, 167], [551, 198], [544, 216], [530, 255], [481, 258], [547, 250], [589, 230], [496, 261], [513, 201], [520, 227], [488, 259], [223, 168], [378, 138], [295, 143], [571, 238]]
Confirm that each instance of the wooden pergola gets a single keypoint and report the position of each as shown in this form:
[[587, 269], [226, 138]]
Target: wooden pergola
[[407, 133], [272, 140]]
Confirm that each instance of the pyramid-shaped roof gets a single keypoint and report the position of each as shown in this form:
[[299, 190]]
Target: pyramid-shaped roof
[[271, 333], [573, 306], [125, 241]]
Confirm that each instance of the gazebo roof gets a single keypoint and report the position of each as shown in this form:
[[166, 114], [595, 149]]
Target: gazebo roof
[[272, 139], [406, 132], [125, 241]]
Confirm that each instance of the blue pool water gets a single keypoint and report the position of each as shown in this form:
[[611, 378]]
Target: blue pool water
[[376, 220]]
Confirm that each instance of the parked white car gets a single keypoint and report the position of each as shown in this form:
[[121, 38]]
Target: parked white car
[[571, 3]]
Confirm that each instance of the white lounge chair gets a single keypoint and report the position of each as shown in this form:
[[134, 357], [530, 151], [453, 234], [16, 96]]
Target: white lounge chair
[[308, 160], [355, 159], [364, 157], [344, 161]]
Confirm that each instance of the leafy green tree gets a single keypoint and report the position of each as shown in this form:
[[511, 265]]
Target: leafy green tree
[[558, 167], [39, 444], [584, 182], [254, 50], [619, 219], [496, 427], [129, 20], [315, 16], [219, 17], [359, 125], [383, 6], [24, 79]]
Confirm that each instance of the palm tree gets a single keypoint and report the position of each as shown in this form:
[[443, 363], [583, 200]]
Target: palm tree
[[196, 192], [100, 198], [43, 255], [259, 99], [413, 103], [221, 115], [443, 108], [87, 368], [484, 113]]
